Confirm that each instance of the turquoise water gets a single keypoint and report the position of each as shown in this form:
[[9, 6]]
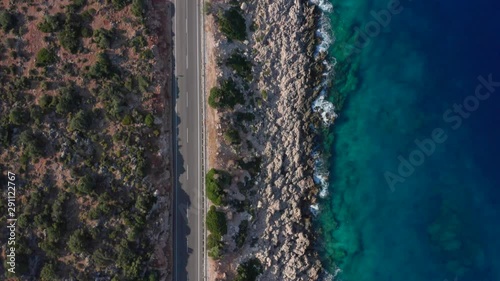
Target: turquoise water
[[437, 218]]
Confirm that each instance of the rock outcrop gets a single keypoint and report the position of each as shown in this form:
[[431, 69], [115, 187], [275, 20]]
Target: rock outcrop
[[286, 74], [287, 29]]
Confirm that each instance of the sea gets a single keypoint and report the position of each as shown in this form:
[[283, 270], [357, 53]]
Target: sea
[[410, 166]]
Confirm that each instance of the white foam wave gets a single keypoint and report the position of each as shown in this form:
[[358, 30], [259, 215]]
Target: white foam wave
[[324, 32], [326, 109], [331, 277], [320, 174], [324, 5], [314, 209]]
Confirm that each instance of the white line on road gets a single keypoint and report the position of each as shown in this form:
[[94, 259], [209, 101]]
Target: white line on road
[[198, 139], [187, 61], [187, 171], [187, 135], [187, 99]]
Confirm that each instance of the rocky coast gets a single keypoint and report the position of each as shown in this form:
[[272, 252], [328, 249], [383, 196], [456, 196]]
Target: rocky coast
[[286, 77]]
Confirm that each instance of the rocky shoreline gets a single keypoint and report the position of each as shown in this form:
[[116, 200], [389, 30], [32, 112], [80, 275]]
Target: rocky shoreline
[[287, 75], [288, 188]]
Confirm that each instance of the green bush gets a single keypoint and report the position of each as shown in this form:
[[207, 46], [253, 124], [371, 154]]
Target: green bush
[[102, 68], [127, 120], [86, 184], [7, 21], [67, 100], [244, 116], [144, 203], [225, 96], [249, 270], [45, 102], [81, 122], [232, 136], [48, 272], [120, 4], [103, 38], [138, 8], [69, 38], [33, 143], [45, 57], [102, 258], [216, 222], [77, 4], [214, 246], [242, 233], [138, 43], [240, 64], [149, 120], [216, 181], [87, 32], [143, 83], [17, 116], [232, 24], [51, 24], [78, 241]]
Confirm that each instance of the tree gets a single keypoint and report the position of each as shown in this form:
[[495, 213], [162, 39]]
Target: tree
[[102, 67], [143, 83], [7, 21], [17, 116], [225, 96], [78, 241], [149, 120], [216, 181], [68, 99], [48, 272], [32, 142], [101, 257], [51, 23], [45, 57], [45, 101], [232, 24], [232, 136], [216, 222], [81, 122], [249, 270], [69, 37], [86, 184], [138, 8], [120, 4], [103, 37], [214, 245], [144, 203], [240, 64], [242, 233], [127, 120]]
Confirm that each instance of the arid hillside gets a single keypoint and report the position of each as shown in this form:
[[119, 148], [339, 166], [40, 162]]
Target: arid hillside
[[85, 126]]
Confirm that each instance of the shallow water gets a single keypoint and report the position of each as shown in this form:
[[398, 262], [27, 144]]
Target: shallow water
[[437, 217]]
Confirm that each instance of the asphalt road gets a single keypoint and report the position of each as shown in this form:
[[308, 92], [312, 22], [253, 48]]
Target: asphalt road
[[188, 200]]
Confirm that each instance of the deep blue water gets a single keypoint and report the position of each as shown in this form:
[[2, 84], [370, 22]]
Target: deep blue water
[[440, 218]]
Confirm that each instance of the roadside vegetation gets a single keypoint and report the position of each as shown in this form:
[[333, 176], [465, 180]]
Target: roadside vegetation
[[226, 96], [232, 24], [240, 64], [77, 126], [216, 182], [235, 101], [249, 270]]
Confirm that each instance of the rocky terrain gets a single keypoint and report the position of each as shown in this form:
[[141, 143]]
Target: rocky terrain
[[281, 46]]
